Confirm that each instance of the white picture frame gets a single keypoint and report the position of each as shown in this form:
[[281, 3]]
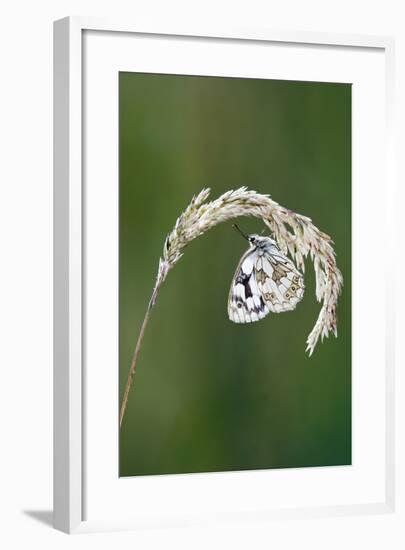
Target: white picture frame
[[70, 434]]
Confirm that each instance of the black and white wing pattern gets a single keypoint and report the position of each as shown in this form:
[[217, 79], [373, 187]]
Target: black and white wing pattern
[[264, 281], [245, 303]]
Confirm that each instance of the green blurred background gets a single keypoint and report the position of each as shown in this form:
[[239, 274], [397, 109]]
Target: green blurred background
[[210, 395]]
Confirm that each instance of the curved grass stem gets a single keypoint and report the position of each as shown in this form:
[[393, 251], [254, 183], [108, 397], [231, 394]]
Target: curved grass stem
[[132, 368]]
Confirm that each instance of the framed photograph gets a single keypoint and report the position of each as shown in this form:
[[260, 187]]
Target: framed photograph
[[222, 350]]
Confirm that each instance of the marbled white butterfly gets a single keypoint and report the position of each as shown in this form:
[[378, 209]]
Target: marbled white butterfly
[[265, 280]]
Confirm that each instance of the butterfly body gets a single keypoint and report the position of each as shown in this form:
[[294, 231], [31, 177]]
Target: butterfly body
[[265, 280]]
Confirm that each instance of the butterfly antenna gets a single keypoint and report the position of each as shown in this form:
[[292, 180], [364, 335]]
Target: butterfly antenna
[[240, 231]]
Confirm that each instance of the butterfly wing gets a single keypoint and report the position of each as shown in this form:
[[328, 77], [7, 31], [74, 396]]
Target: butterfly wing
[[279, 282], [263, 283], [245, 302]]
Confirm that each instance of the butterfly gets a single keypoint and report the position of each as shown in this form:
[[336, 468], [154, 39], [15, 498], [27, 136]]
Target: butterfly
[[265, 280]]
